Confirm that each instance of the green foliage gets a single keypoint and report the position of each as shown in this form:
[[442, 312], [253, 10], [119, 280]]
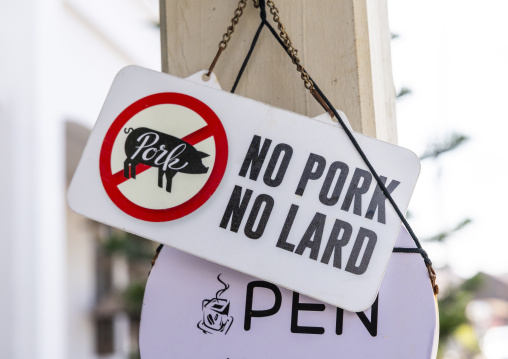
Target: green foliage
[[138, 252], [440, 237], [437, 148], [465, 335], [133, 298], [453, 303], [129, 245], [452, 307], [403, 92], [473, 284]]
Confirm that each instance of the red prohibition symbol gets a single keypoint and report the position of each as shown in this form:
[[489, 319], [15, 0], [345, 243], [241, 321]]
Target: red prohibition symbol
[[213, 128]]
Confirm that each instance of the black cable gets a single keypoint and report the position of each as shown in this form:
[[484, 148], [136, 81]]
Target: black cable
[[244, 65], [407, 250], [376, 176], [351, 137]]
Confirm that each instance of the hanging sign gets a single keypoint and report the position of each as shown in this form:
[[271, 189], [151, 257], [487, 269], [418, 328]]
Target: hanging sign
[[265, 191], [196, 309]]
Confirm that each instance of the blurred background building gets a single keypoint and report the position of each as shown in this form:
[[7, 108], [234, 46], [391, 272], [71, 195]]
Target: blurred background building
[[71, 288], [63, 282]]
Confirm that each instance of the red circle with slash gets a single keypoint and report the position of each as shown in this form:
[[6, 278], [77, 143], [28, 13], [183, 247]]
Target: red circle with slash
[[213, 128]]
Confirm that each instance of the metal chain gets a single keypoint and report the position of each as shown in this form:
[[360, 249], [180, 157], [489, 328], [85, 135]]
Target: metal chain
[[231, 28], [293, 53], [309, 85], [229, 31]]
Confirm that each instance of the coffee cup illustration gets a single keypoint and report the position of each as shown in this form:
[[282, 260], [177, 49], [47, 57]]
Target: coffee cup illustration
[[216, 318]]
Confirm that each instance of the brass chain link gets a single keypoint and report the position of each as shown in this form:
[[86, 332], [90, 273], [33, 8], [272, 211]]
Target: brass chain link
[[229, 31], [292, 51], [231, 28], [309, 85]]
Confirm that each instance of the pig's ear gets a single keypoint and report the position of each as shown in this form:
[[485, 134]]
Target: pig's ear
[[202, 154]]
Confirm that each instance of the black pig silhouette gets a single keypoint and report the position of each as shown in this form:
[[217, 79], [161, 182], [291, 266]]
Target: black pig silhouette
[[157, 149]]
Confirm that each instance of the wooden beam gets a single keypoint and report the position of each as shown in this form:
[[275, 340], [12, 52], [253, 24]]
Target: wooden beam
[[344, 45]]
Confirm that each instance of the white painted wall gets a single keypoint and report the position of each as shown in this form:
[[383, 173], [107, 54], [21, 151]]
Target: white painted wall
[[58, 59]]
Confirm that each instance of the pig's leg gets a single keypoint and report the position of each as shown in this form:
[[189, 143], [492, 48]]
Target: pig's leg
[[169, 179], [133, 170], [126, 168], [160, 175]]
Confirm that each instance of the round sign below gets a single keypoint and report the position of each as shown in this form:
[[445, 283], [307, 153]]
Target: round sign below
[[204, 310], [163, 157]]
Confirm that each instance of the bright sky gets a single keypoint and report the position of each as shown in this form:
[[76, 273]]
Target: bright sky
[[453, 55]]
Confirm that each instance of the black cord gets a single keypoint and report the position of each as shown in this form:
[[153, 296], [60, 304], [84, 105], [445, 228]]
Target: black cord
[[351, 137], [407, 250], [244, 65]]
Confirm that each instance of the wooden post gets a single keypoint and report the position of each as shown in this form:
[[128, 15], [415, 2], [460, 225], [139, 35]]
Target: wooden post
[[343, 44]]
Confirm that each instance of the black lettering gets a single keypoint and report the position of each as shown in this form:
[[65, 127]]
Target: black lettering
[[235, 209], [335, 243], [339, 321], [315, 230], [378, 201], [309, 173], [263, 221], [255, 157], [288, 153], [311, 307], [334, 198], [363, 234], [282, 242], [370, 325], [355, 191], [250, 313]]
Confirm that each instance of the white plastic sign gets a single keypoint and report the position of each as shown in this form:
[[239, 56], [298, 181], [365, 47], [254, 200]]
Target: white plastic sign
[[264, 191], [196, 309]]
